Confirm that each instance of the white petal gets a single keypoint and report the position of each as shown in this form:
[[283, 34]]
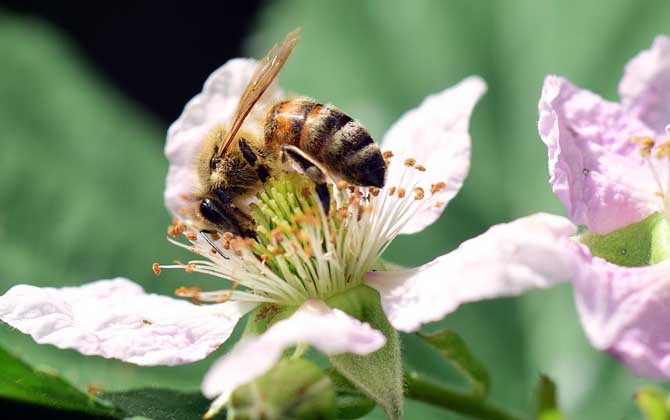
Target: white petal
[[645, 87], [213, 106], [436, 135], [531, 252], [329, 330], [625, 310], [117, 319]]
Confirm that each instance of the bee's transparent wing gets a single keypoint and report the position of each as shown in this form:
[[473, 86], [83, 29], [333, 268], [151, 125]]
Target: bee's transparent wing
[[266, 71]]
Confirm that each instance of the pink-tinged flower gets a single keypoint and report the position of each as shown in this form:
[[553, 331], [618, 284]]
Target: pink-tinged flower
[[610, 166], [302, 257]]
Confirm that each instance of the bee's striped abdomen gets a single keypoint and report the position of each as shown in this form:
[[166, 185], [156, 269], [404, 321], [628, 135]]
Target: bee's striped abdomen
[[331, 137]]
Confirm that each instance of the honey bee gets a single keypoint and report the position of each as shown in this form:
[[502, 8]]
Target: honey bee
[[318, 138]]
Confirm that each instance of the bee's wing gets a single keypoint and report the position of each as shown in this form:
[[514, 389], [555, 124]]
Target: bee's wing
[[266, 71]]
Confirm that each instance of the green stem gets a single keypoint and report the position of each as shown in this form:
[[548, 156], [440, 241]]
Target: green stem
[[421, 389]]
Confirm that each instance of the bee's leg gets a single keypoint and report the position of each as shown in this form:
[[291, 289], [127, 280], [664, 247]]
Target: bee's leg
[[251, 158], [312, 169]]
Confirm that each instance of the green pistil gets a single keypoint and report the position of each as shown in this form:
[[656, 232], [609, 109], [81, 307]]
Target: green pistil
[[640, 244], [289, 225]]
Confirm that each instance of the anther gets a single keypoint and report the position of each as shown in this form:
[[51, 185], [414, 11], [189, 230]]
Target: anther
[[401, 192], [277, 233], [306, 192], [646, 144], [387, 154], [418, 193], [391, 191], [189, 268], [191, 236], [156, 268], [342, 212], [409, 162], [439, 204], [663, 150], [437, 187], [341, 185], [374, 191], [192, 292], [420, 168], [228, 236]]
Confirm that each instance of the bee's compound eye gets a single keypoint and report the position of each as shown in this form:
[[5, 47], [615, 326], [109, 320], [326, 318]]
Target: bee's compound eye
[[213, 213]]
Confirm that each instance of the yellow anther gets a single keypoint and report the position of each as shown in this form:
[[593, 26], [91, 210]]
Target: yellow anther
[[646, 144], [663, 150]]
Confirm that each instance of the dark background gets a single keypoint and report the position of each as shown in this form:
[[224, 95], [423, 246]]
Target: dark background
[[133, 44]]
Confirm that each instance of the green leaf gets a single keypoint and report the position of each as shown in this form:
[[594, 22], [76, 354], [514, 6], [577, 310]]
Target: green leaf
[[546, 406], [160, 404], [379, 375], [653, 403], [293, 389], [32, 387], [351, 403], [454, 349]]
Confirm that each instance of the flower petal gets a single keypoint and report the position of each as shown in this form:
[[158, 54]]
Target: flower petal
[[625, 311], [645, 87], [213, 106], [531, 252], [117, 319], [596, 171], [329, 330], [436, 135]]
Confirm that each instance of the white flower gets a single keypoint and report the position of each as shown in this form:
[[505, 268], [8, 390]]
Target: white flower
[[304, 259]]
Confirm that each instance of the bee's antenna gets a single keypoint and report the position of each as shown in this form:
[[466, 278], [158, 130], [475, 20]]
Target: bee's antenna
[[209, 241]]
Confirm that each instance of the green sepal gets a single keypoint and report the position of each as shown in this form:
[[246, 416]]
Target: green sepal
[[264, 316], [653, 403], [292, 389], [351, 403], [453, 348], [378, 375], [640, 244], [546, 405]]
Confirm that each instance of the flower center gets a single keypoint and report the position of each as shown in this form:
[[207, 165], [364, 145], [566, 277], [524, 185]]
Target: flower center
[[301, 252], [657, 156]]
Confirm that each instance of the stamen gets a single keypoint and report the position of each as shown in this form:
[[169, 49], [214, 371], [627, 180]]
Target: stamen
[[156, 268], [418, 193]]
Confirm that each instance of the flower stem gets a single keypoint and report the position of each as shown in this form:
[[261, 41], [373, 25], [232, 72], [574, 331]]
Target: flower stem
[[420, 388]]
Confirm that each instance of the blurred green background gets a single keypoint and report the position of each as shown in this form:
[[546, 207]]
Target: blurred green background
[[82, 169]]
